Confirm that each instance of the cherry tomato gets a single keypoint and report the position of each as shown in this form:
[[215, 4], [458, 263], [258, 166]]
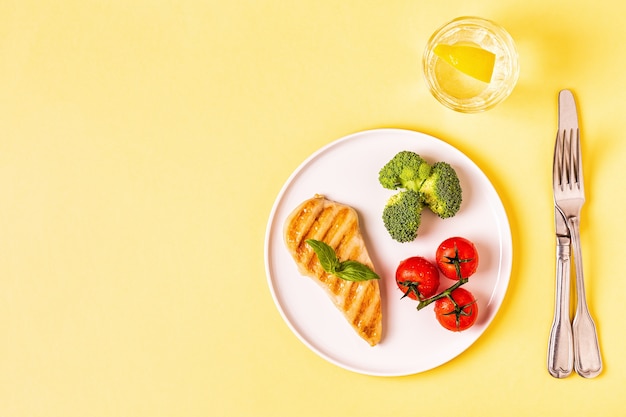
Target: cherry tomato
[[457, 252], [457, 311], [417, 278]]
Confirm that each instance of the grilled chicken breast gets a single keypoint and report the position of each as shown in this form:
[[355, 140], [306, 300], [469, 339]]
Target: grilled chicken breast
[[338, 226]]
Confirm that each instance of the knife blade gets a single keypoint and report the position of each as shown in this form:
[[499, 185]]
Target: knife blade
[[560, 344]]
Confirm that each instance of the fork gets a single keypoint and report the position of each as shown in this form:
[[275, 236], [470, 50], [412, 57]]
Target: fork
[[569, 197]]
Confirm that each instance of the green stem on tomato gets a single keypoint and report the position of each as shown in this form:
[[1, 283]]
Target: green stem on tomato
[[442, 294], [456, 261], [411, 288]]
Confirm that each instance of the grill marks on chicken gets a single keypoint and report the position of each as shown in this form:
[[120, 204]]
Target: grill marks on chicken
[[338, 226]]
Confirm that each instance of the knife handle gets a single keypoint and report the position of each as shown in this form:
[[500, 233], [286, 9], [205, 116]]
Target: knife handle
[[560, 345]]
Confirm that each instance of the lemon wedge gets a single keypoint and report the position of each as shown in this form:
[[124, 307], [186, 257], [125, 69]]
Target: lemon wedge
[[471, 60]]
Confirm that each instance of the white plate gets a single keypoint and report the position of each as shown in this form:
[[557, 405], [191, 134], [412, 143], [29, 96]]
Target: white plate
[[347, 171]]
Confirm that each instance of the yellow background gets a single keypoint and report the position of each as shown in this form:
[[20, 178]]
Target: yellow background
[[143, 143]]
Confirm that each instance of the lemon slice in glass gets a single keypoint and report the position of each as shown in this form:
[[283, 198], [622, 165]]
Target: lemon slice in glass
[[471, 60]]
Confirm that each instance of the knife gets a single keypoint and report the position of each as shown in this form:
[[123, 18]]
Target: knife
[[560, 345]]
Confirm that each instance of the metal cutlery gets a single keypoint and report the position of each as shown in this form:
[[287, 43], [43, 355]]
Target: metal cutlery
[[560, 346], [569, 197]]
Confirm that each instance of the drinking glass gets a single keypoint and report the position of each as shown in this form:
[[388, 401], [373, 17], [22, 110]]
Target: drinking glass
[[459, 91]]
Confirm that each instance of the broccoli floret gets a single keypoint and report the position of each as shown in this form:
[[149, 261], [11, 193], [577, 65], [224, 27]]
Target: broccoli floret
[[402, 215], [441, 191], [405, 170]]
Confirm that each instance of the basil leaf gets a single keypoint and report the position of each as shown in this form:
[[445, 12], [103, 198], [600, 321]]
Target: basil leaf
[[355, 271], [348, 270], [326, 255]]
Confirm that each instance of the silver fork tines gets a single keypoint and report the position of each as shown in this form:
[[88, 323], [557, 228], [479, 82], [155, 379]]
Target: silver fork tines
[[569, 197], [568, 173]]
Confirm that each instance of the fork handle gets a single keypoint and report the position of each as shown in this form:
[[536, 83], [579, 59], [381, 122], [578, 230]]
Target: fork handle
[[587, 359], [560, 348]]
